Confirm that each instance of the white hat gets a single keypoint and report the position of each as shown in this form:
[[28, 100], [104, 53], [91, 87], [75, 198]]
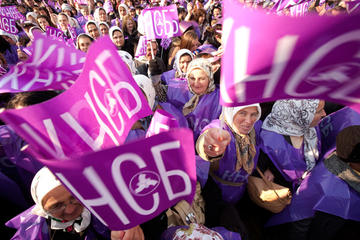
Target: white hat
[[146, 85]]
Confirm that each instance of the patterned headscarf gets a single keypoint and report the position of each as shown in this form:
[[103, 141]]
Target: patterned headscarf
[[293, 118], [205, 65]]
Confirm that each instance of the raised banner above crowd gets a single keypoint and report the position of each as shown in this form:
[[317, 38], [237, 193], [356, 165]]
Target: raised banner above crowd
[[161, 121], [97, 112], [127, 185], [160, 22], [306, 57], [52, 66]]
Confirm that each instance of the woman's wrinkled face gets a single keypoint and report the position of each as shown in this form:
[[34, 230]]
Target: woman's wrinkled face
[[102, 15], [184, 62], [104, 29], [118, 39], [63, 22], [245, 119], [60, 204], [84, 43], [43, 23], [93, 31], [198, 81], [319, 114]]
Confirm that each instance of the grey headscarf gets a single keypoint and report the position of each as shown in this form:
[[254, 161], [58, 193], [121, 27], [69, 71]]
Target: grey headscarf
[[293, 118]]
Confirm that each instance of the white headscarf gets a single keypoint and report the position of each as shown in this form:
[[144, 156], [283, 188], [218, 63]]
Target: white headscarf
[[43, 182], [229, 113], [97, 14], [125, 7], [80, 35], [65, 6], [13, 37], [92, 22], [293, 118], [178, 55], [112, 30], [128, 59], [146, 85]]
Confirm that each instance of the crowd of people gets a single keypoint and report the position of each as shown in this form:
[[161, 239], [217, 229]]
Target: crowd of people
[[283, 139]]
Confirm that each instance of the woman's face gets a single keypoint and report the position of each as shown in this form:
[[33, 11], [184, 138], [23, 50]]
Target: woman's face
[[84, 11], [245, 119], [130, 26], [184, 62], [198, 81], [319, 114], [93, 31], [102, 15], [60, 204], [195, 45], [104, 29], [217, 12], [43, 23], [43, 12], [84, 43], [63, 22], [201, 19], [118, 39], [122, 11]]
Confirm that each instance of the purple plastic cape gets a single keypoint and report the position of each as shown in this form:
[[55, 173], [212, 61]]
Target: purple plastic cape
[[207, 110], [168, 107], [178, 93], [167, 76], [227, 165], [289, 160], [320, 191], [33, 227]]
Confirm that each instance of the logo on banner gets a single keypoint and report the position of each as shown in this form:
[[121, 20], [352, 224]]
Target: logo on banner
[[110, 102], [144, 183]]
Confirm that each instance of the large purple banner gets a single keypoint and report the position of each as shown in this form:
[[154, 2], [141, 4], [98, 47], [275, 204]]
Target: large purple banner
[[161, 22], [97, 112], [53, 65], [295, 61], [127, 185]]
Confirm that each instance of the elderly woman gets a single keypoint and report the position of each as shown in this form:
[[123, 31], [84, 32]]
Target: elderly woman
[[182, 59], [231, 148], [117, 37], [58, 215], [291, 139], [326, 203], [199, 100]]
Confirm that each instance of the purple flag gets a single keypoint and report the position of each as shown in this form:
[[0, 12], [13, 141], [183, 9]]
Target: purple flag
[[97, 112], [141, 47], [261, 65], [53, 65], [282, 4], [127, 185], [161, 22], [108, 6], [353, 7], [165, 43], [55, 32], [82, 2], [161, 121], [8, 25], [11, 12]]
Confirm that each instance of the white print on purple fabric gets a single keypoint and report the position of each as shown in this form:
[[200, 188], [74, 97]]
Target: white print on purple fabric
[[83, 2], [353, 7], [161, 22], [300, 9], [97, 112], [125, 186], [197, 123], [8, 25], [53, 66], [234, 176], [11, 12], [141, 47], [294, 62], [55, 33]]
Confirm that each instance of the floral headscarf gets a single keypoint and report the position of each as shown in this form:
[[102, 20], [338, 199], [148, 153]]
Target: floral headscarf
[[293, 118]]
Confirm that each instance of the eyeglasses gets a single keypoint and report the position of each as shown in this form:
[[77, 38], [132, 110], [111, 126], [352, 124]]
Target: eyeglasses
[[59, 207]]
